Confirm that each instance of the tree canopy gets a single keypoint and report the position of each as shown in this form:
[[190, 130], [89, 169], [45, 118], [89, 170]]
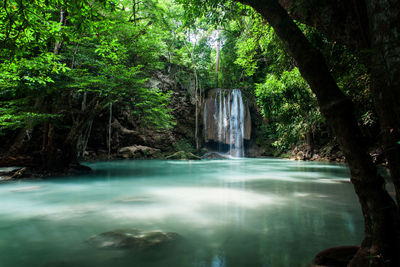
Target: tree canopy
[[65, 63]]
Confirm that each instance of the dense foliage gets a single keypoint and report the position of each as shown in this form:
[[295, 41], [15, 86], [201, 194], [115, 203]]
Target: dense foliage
[[77, 48], [289, 103], [65, 62], [253, 58]]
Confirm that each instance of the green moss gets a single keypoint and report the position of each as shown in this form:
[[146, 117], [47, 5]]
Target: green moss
[[184, 145]]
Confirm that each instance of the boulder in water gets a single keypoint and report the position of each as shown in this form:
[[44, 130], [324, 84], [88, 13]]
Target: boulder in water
[[215, 155], [183, 155], [134, 239]]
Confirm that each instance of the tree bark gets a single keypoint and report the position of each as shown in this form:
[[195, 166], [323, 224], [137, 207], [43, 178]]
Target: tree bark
[[217, 58], [63, 20], [372, 28], [381, 220], [80, 125], [384, 67], [196, 94], [109, 131]]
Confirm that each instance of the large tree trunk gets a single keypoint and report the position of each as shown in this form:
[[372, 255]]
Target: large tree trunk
[[381, 220], [372, 28], [82, 124], [217, 58], [384, 59]]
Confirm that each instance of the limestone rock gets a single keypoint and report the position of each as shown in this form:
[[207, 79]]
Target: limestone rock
[[183, 155], [137, 151], [214, 155], [211, 115], [128, 131]]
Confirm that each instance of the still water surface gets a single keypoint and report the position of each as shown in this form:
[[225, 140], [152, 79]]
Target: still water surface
[[231, 213]]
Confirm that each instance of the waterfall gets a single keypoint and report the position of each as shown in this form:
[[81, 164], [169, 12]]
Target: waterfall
[[220, 117], [225, 119], [236, 125]]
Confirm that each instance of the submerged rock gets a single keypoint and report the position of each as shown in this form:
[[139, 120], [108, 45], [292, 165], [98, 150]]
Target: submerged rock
[[183, 155], [134, 239]]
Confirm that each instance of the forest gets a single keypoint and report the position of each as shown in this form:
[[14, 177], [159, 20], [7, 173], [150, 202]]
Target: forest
[[95, 80]]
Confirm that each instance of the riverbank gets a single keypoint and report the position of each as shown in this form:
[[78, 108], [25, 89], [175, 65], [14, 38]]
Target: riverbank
[[327, 153]]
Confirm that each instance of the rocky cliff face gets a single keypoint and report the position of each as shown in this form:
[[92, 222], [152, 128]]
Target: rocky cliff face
[[126, 134], [218, 117]]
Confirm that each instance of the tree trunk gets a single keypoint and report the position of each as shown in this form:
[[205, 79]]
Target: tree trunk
[[196, 97], [196, 94], [63, 156], [217, 58], [83, 140], [63, 20], [372, 28], [109, 131], [385, 79], [381, 220]]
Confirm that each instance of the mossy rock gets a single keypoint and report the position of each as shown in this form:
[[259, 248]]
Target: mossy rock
[[203, 151], [183, 155]]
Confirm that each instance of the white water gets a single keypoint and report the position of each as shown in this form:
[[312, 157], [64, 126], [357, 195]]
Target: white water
[[229, 119], [236, 125]]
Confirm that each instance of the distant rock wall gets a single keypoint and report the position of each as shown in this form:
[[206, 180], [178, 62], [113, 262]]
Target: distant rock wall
[[216, 112], [127, 134]]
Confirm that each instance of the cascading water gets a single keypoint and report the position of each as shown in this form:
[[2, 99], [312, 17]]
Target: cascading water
[[227, 121], [236, 125]]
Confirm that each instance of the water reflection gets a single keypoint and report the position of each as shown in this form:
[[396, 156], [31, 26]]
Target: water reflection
[[231, 213], [218, 261]]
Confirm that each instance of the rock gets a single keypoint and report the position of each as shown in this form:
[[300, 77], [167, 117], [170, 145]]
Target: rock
[[21, 173], [183, 155], [137, 151], [127, 131], [214, 155], [134, 239], [203, 151], [300, 155], [78, 169], [315, 157], [212, 112], [102, 154], [335, 257]]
